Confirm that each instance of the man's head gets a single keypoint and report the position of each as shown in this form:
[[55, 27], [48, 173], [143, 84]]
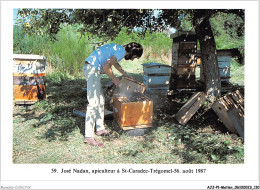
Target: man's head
[[133, 50]]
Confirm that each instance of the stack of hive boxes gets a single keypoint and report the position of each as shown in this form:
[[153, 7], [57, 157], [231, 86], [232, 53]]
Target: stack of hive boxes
[[184, 50], [156, 77], [29, 78]]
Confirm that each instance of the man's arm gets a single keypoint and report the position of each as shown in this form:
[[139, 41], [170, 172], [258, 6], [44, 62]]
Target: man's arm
[[119, 68], [107, 68]]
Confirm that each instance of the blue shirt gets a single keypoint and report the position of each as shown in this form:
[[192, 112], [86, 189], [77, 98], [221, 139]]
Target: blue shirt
[[100, 56]]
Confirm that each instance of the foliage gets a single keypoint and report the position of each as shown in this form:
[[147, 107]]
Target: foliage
[[229, 32], [237, 73], [67, 53], [159, 42], [105, 23], [28, 44]]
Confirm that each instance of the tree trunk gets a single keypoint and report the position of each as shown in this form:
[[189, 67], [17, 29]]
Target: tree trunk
[[208, 55]]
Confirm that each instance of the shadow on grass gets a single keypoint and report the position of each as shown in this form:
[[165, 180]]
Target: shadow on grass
[[55, 113]]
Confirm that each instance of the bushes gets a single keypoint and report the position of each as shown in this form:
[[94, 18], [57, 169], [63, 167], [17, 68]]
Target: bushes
[[66, 54], [28, 44], [69, 51]]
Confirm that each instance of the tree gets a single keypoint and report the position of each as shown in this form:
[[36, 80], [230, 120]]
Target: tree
[[200, 19], [107, 23]]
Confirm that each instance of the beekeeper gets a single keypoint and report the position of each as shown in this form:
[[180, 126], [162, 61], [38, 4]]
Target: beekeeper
[[101, 61]]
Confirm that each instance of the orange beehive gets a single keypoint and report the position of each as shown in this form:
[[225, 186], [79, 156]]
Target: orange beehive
[[133, 114], [131, 108], [29, 78], [29, 93]]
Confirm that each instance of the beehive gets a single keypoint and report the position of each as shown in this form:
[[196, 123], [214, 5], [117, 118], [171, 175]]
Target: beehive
[[29, 78], [131, 108], [184, 51], [156, 77], [134, 112]]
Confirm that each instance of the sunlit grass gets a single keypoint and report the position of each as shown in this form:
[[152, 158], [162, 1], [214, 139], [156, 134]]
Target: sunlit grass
[[237, 73]]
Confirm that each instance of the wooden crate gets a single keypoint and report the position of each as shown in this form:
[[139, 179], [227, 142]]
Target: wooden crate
[[224, 61], [224, 73], [190, 108], [230, 110], [130, 114], [129, 86], [188, 45], [175, 50], [184, 36], [29, 78], [32, 80], [183, 61], [29, 64], [187, 52], [182, 82]]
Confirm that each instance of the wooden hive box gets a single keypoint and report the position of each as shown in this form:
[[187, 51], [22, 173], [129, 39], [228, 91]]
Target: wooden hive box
[[184, 50], [157, 77], [131, 115], [230, 110], [29, 78], [131, 108], [190, 107]]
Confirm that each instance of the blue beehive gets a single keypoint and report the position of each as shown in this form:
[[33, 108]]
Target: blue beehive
[[157, 77]]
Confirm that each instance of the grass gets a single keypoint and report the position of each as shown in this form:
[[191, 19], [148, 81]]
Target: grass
[[237, 73], [48, 132]]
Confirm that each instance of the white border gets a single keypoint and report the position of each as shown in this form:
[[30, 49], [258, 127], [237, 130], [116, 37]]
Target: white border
[[242, 174]]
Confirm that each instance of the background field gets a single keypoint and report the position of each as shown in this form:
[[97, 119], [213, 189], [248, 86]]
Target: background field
[[48, 132]]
